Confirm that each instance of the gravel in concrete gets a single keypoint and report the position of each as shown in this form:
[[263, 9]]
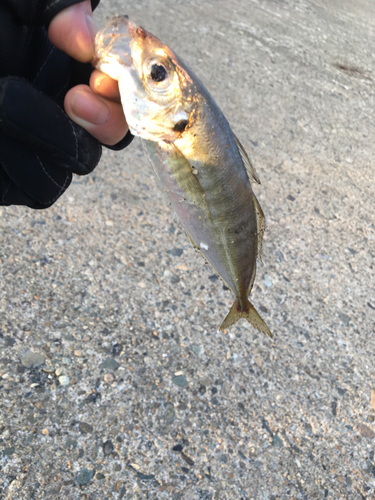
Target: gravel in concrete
[[114, 380]]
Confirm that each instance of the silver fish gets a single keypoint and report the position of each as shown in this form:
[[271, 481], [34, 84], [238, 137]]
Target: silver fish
[[202, 167]]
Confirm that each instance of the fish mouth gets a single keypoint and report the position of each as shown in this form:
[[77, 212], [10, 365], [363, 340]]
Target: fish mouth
[[117, 20], [113, 42]]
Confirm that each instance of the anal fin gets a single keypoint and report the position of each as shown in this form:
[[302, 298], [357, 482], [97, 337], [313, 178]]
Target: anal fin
[[261, 225]]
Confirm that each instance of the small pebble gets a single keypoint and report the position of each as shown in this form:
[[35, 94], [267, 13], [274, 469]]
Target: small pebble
[[267, 280], [180, 380], [365, 431], [176, 252], [33, 360], [372, 399], [197, 349], [48, 369], [280, 255], [277, 442], [147, 360], [64, 380], [108, 447], [259, 361], [84, 476], [110, 364], [116, 349], [187, 459], [109, 378], [146, 476], [9, 451], [85, 428], [6, 435], [170, 413], [236, 358], [345, 318]]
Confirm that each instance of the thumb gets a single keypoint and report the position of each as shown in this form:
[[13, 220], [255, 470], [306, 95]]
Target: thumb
[[73, 31]]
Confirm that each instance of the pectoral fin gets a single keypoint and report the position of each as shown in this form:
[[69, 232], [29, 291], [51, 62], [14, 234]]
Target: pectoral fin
[[182, 171]]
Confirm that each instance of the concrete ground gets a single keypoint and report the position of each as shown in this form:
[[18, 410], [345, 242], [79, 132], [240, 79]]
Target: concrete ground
[[115, 382]]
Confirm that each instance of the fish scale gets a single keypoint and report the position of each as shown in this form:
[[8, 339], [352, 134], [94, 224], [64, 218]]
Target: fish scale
[[202, 168]]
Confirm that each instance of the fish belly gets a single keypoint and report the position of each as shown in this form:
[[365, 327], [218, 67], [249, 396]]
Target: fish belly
[[215, 206]]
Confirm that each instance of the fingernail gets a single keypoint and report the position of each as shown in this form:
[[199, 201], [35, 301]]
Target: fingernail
[[86, 106], [99, 80], [91, 26]]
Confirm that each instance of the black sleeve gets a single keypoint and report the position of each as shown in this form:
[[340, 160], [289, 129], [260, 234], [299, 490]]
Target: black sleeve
[[40, 147], [40, 12]]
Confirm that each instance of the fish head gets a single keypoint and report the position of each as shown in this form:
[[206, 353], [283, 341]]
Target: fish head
[[156, 90]]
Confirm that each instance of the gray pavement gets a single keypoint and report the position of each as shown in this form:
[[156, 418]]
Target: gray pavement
[[114, 380]]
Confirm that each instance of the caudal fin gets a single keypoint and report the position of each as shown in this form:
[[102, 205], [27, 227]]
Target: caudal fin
[[248, 312]]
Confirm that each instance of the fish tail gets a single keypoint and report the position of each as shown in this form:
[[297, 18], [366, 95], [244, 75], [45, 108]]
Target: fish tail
[[248, 312]]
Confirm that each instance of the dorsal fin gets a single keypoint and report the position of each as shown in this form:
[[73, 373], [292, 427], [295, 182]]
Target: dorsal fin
[[251, 173]]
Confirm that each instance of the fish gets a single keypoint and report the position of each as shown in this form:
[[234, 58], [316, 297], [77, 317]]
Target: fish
[[203, 169]]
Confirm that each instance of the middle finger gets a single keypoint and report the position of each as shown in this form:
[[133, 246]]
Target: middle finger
[[104, 86]]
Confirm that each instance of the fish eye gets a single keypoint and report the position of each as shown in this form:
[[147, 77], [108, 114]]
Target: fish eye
[[180, 126], [158, 72]]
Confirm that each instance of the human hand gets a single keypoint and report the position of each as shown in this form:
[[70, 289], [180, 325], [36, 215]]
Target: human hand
[[96, 108], [40, 145]]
